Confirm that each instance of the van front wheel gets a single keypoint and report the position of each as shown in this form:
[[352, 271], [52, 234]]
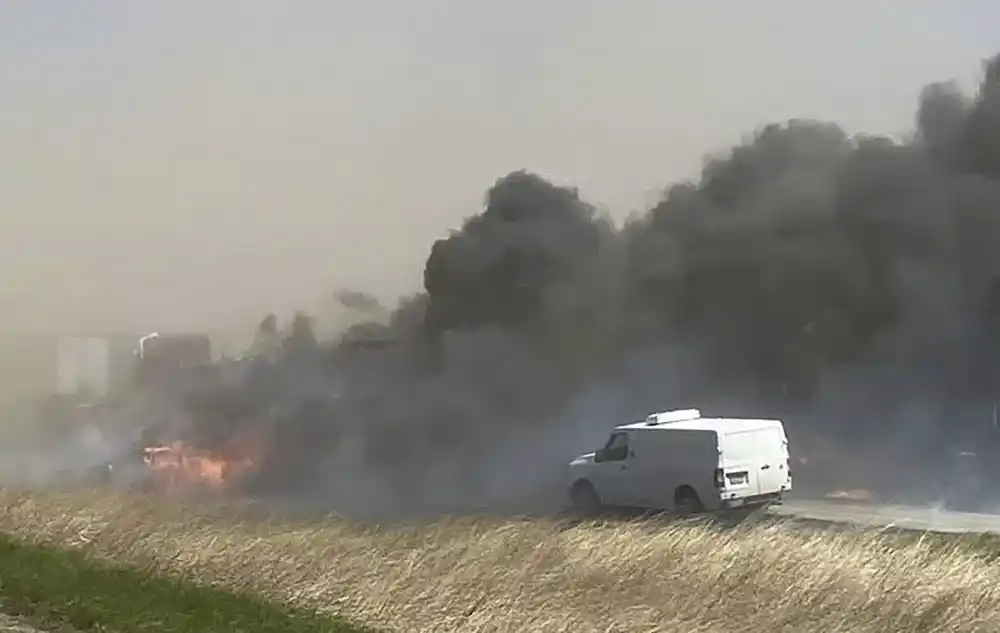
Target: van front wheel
[[584, 498]]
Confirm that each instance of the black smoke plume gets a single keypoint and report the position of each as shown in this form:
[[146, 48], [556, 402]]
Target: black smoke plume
[[846, 283]]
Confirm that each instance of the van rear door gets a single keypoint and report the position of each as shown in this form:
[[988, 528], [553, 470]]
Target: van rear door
[[772, 455], [740, 463], [774, 449]]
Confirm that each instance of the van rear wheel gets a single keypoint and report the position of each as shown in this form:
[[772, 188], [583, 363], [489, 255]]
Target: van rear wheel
[[584, 498], [686, 502]]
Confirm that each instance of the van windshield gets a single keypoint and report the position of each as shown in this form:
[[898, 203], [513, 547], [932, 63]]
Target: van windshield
[[616, 449], [616, 441]]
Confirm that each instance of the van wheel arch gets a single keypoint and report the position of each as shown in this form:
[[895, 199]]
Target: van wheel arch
[[687, 501]]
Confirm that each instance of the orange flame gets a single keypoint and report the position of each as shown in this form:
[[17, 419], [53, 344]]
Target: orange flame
[[178, 466]]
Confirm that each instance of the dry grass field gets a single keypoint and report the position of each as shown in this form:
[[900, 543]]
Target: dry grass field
[[465, 574]]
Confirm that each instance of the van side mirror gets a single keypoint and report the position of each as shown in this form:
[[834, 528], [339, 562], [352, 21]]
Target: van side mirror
[[600, 455]]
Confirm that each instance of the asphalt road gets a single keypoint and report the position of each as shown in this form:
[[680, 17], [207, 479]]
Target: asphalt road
[[892, 516]]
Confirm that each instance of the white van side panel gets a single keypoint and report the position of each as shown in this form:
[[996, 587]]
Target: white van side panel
[[667, 459]]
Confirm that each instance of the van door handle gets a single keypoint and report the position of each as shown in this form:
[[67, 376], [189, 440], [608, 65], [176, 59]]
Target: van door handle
[[624, 466], [765, 466]]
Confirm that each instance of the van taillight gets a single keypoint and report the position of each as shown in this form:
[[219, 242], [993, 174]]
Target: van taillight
[[720, 478], [788, 464]]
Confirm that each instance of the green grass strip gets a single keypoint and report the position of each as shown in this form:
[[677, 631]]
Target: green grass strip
[[66, 590]]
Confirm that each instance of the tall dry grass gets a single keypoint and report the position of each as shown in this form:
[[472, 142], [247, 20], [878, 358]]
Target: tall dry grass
[[536, 575]]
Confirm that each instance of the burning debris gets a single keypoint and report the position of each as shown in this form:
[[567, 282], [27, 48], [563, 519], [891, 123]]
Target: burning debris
[[178, 467]]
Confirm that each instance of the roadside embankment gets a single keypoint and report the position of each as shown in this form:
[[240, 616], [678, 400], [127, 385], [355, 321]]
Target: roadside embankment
[[474, 574]]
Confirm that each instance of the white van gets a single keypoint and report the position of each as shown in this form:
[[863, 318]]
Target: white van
[[679, 461]]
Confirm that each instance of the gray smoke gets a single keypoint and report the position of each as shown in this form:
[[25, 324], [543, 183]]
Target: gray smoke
[[849, 284]]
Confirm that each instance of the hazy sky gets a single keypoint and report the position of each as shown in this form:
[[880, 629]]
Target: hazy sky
[[193, 163]]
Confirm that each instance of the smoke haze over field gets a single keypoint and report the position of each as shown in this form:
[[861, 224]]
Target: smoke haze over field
[[287, 151], [846, 282]]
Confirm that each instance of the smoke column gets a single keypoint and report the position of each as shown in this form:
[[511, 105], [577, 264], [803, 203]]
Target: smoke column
[[846, 284]]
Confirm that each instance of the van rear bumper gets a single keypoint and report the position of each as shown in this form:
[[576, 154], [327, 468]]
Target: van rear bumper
[[774, 498]]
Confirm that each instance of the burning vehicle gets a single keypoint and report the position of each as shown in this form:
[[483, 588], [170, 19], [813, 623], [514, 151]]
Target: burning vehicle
[[232, 427], [180, 467], [108, 410]]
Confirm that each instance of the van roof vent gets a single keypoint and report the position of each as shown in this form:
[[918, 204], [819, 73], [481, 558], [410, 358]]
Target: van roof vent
[[678, 415]]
